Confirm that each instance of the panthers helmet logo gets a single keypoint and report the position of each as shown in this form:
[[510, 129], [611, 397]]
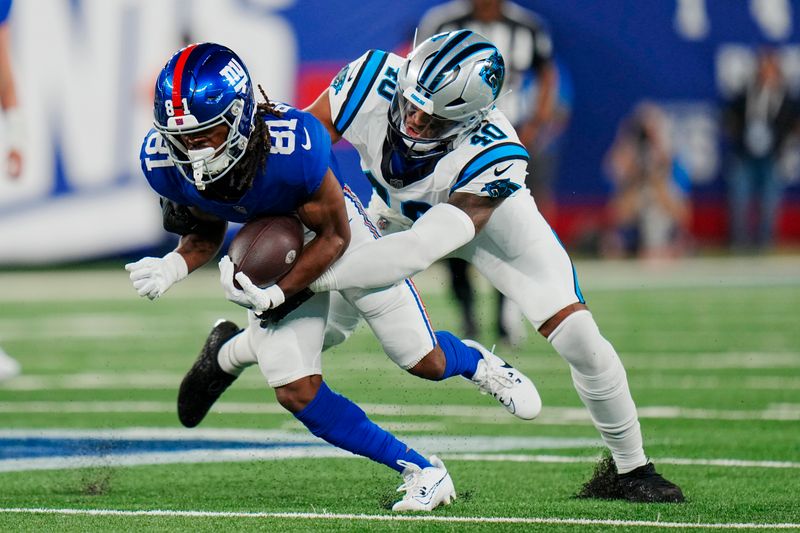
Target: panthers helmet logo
[[493, 73]]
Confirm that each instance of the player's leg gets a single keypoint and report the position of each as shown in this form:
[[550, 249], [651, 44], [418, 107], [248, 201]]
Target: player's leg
[[207, 379], [228, 350], [343, 319], [527, 262], [461, 286], [399, 320], [289, 357]]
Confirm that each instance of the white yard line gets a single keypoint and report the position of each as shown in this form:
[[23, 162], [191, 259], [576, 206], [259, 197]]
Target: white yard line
[[112, 284], [552, 415], [447, 443], [682, 461], [403, 518], [282, 445], [324, 451], [252, 380]]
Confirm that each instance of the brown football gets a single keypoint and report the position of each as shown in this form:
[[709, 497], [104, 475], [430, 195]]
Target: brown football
[[266, 248]]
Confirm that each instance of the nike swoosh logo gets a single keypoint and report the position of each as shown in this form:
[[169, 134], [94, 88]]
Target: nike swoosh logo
[[306, 145], [427, 500], [499, 172], [510, 406]]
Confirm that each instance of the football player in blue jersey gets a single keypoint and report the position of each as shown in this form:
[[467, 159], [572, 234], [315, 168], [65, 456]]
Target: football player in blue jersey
[[216, 156], [448, 172]]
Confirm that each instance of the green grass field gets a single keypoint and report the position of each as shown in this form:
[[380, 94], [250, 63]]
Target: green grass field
[[712, 349]]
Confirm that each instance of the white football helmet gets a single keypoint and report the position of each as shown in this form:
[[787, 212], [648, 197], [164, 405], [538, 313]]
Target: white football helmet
[[454, 78]]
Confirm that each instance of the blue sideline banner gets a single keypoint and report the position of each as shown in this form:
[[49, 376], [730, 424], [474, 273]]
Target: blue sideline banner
[[85, 71]]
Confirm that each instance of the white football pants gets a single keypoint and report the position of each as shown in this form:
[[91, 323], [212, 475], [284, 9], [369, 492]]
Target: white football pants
[[292, 348]]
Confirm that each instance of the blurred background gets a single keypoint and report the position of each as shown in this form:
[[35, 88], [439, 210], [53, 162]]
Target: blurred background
[[632, 76], [667, 160]]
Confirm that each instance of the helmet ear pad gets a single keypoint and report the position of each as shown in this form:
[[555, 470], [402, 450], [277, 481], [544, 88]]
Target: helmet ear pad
[[202, 86]]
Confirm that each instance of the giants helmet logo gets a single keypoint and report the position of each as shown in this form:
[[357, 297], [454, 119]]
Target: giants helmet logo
[[236, 75]]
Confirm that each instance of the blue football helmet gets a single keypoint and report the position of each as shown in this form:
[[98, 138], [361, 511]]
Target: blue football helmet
[[455, 79], [204, 85]]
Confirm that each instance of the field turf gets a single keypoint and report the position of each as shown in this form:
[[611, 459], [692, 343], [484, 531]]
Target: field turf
[[89, 439]]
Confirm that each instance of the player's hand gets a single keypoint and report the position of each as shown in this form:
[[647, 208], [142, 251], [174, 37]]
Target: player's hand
[[153, 276], [232, 293], [14, 167], [249, 296]]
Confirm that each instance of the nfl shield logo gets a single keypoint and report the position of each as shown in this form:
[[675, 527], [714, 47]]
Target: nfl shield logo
[[240, 209]]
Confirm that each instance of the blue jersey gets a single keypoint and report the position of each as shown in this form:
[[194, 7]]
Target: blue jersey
[[5, 8], [298, 160]]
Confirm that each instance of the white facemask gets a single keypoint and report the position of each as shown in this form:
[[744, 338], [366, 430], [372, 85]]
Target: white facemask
[[203, 161]]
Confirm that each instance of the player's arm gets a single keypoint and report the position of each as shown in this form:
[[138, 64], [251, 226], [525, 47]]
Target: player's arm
[[201, 234], [13, 120], [321, 109], [491, 175], [325, 214], [202, 244], [441, 230], [338, 105]]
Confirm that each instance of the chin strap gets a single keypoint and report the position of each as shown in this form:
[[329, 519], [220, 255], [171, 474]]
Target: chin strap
[[197, 174]]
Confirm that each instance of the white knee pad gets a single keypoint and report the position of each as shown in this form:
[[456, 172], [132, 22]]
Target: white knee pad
[[343, 320], [578, 340]]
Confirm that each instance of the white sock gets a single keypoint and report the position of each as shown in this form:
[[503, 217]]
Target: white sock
[[237, 354], [601, 383]]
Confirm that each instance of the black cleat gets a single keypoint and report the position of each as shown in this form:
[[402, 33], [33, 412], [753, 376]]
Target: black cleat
[[645, 485], [205, 381], [642, 485]]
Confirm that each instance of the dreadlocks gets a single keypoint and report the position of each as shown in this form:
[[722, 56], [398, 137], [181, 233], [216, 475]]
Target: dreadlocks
[[255, 156], [260, 131]]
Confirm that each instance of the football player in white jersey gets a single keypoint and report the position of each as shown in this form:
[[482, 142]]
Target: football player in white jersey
[[449, 181]]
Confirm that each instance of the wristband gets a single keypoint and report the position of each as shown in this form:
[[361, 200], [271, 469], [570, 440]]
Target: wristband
[[177, 265], [276, 295]]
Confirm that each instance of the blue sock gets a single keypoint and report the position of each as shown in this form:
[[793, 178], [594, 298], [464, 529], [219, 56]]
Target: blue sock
[[461, 360], [339, 421]]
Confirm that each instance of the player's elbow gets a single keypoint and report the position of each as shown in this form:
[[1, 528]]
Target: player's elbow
[[338, 244]]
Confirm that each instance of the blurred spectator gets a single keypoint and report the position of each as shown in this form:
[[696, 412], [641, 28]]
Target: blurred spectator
[[758, 121], [13, 126], [8, 98], [531, 78], [649, 209]]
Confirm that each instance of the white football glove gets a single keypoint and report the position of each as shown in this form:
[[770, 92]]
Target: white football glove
[[249, 296], [153, 276]]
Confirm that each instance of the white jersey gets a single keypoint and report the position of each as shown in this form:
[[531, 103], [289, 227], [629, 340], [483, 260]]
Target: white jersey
[[489, 162]]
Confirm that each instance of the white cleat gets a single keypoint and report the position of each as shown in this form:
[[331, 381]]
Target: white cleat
[[425, 488], [506, 384], [9, 367]]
